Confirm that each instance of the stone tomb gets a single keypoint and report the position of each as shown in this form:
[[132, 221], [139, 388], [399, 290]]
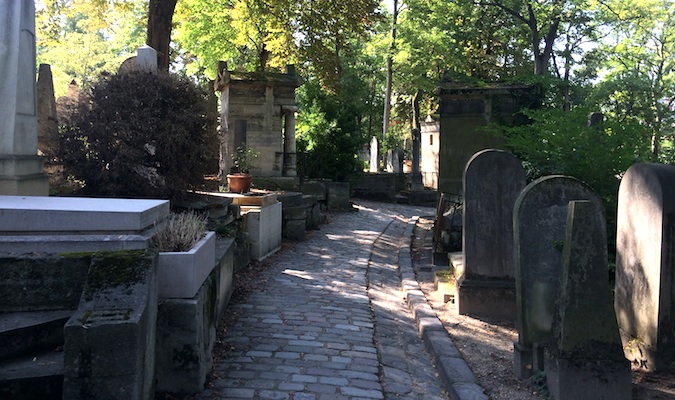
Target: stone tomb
[[584, 359], [34, 224], [539, 219], [493, 179], [645, 265]]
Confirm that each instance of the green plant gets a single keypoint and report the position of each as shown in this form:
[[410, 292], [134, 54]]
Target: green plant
[[181, 232], [243, 159]]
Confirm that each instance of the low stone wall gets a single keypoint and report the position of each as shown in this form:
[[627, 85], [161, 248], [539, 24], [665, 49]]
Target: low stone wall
[[378, 186], [186, 328]]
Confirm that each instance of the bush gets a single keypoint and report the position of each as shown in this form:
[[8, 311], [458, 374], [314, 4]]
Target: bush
[[181, 232], [139, 135]]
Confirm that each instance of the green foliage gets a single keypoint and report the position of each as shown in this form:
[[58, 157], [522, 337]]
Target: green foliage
[[243, 159], [330, 126], [82, 38], [139, 135], [559, 142]]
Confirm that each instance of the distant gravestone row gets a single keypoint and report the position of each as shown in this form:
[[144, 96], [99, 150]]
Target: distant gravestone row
[[538, 254]]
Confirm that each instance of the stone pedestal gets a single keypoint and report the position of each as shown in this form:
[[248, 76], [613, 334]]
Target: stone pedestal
[[263, 225], [494, 298]]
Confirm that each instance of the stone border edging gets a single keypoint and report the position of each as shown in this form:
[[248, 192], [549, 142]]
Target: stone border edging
[[460, 381]]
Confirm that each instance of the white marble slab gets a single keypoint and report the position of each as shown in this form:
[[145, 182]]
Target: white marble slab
[[36, 214]]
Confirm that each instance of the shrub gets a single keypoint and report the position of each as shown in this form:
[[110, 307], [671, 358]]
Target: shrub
[[139, 135], [181, 232]]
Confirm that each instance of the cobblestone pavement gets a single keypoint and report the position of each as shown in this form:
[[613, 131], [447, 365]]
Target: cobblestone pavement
[[330, 321]]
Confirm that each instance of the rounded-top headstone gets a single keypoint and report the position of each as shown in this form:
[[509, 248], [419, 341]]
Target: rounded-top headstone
[[493, 179], [645, 263], [540, 214]]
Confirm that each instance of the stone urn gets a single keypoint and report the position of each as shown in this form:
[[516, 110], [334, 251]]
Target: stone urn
[[239, 182]]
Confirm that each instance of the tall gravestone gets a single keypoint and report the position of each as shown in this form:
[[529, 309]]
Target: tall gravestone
[[493, 179], [645, 265], [539, 219], [584, 358], [374, 155], [48, 126], [21, 170]]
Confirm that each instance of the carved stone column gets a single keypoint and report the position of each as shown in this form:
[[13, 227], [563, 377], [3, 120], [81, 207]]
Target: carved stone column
[[290, 151]]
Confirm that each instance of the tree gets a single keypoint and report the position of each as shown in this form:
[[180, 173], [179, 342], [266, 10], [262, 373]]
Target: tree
[[160, 16], [81, 39], [639, 71]]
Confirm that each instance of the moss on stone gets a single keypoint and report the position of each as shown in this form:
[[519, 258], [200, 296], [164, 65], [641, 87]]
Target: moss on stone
[[114, 269]]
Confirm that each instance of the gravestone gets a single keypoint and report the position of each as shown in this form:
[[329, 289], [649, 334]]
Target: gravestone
[[374, 156], [21, 170], [493, 179], [539, 219], [395, 161], [415, 174], [645, 265], [48, 126], [584, 358]]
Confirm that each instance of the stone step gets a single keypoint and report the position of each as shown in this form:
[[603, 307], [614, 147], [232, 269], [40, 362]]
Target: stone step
[[21, 332], [32, 376]]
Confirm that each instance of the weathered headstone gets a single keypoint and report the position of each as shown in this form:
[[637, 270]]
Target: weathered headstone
[[21, 170], [48, 126], [493, 179], [374, 156], [415, 174], [539, 219], [645, 265], [584, 358]]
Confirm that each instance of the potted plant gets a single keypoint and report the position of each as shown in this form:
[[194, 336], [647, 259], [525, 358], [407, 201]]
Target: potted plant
[[187, 255], [239, 178]]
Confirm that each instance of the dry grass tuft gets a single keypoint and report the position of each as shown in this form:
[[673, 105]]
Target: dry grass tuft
[[181, 233]]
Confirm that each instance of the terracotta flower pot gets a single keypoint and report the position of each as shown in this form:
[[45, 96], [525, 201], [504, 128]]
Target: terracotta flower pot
[[239, 182]]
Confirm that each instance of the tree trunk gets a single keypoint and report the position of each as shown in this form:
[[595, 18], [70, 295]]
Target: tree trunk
[[160, 16], [387, 92]]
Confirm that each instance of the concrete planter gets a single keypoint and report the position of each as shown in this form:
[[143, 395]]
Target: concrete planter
[[181, 274]]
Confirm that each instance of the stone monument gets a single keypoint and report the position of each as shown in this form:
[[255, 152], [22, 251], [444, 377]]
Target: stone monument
[[21, 170], [584, 358], [645, 265], [374, 155], [539, 217], [493, 179]]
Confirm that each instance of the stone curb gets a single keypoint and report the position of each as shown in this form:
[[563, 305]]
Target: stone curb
[[458, 378]]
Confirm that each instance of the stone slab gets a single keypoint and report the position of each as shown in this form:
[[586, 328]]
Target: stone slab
[[33, 283], [36, 214], [60, 244]]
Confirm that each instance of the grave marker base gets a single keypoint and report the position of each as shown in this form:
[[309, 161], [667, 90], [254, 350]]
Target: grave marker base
[[588, 379], [487, 298]]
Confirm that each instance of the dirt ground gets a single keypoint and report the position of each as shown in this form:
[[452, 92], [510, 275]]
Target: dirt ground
[[487, 346]]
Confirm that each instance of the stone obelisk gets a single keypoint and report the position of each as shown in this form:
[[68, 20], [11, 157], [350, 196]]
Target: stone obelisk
[[21, 170]]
